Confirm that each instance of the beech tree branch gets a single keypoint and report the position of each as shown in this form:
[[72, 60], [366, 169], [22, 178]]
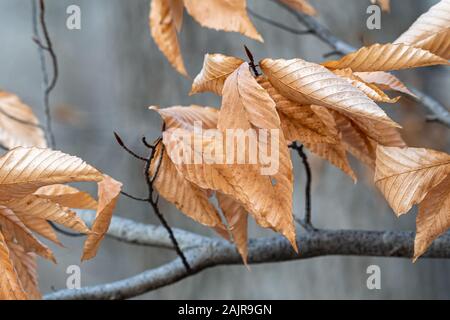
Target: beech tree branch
[[204, 252], [438, 111]]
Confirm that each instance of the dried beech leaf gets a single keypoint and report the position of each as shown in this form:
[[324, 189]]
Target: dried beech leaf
[[433, 218], [18, 124], [270, 205], [14, 230], [35, 206], [406, 175], [24, 170], [431, 22], [67, 196], [108, 193], [10, 286], [185, 117], [177, 9], [163, 26], [216, 69], [301, 5], [41, 227], [385, 81], [237, 220], [245, 104], [386, 57], [26, 267], [298, 122], [226, 15], [301, 81], [370, 90], [438, 43], [186, 196]]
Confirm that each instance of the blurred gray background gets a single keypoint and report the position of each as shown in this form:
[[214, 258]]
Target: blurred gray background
[[111, 70]]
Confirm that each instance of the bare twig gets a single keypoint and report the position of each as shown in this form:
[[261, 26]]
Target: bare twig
[[209, 252], [439, 112], [46, 46], [279, 25], [150, 197]]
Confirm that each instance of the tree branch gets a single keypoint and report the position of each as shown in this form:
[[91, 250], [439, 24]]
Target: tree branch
[[439, 112], [210, 252]]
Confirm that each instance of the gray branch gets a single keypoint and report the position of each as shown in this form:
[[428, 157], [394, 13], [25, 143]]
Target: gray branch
[[438, 111], [209, 252]]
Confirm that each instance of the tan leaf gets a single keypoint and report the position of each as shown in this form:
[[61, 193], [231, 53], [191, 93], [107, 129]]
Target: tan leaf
[[433, 21], [438, 43], [245, 104], [24, 170], [25, 265], [270, 205], [386, 57], [186, 196], [385, 81], [18, 124], [67, 196], [226, 15], [177, 9], [298, 122], [370, 90], [302, 81], [35, 206], [163, 26], [406, 175], [237, 220], [216, 69], [108, 193], [10, 286], [301, 5], [185, 117], [433, 218], [13, 229], [384, 4], [41, 227]]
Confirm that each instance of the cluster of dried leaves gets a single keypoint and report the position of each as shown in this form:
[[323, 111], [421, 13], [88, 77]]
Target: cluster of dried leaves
[[33, 191], [331, 109]]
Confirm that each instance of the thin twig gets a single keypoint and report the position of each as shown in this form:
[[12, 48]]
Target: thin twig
[[122, 144], [252, 61], [278, 25], [46, 46], [307, 220]]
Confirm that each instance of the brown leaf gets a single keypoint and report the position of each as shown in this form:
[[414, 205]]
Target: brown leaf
[[10, 286], [305, 82], [226, 15], [301, 5], [433, 218], [25, 265], [163, 25], [216, 69], [370, 90], [406, 175], [177, 9], [386, 57], [13, 229], [18, 124], [245, 104], [438, 43], [298, 122], [385, 81], [41, 227], [384, 4], [67, 196], [108, 193], [186, 196], [237, 220], [33, 205], [433, 21], [25, 170], [185, 117]]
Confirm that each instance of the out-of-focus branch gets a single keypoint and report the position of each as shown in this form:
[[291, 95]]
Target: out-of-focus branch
[[210, 252], [438, 111]]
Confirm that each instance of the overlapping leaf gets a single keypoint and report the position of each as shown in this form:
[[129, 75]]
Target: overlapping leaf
[[384, 81], [18, 124]]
